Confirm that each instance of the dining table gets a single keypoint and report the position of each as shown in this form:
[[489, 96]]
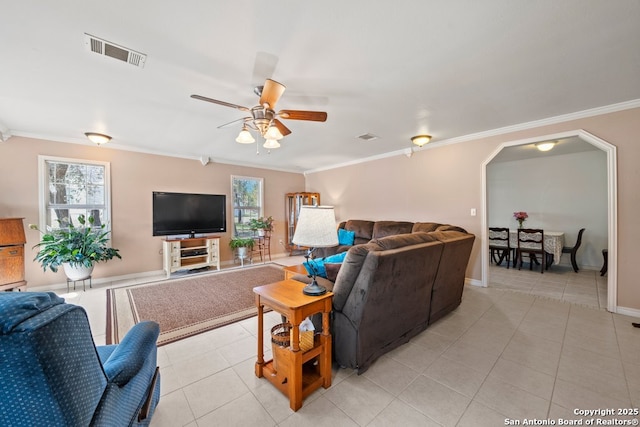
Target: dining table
[[553, 244]]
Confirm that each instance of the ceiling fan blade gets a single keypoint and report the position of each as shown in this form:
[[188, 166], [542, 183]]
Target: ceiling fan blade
[[263, 68], [271, 93], [281, 127], [315, 116], [215, 101], [234, 121]]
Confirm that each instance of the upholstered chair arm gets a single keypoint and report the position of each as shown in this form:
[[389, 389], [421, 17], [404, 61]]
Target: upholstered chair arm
[[129, 356]]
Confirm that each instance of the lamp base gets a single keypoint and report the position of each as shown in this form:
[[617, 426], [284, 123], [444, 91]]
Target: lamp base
[[314, 289]]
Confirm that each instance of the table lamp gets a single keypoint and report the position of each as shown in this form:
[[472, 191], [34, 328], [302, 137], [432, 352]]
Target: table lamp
[[316, 228]]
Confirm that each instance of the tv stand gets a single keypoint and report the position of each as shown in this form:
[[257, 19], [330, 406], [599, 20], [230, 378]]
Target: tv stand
[[190, 254]]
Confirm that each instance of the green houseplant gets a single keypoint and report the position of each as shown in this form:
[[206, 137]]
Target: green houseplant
[[262, 223], [242, 245], [75, 247], [241, 242]]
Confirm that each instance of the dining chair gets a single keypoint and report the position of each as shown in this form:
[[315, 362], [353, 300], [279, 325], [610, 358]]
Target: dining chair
[[531, 242], [573, 249], [499, 245]]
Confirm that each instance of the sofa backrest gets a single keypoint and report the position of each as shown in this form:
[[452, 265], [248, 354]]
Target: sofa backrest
[[391, 228], [362, 228], [385, 303], [352, 268], [449, 282]]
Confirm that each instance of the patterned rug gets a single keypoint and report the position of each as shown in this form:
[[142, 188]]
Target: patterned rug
[[188, 306]]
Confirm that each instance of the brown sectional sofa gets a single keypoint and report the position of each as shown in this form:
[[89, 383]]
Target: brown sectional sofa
[[391, 287]]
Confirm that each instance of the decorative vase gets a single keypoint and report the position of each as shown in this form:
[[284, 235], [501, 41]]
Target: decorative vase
[[520, 221], [77, 271]]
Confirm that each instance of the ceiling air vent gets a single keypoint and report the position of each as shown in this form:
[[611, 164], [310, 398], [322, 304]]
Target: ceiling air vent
[[105, 48], [368, 137]]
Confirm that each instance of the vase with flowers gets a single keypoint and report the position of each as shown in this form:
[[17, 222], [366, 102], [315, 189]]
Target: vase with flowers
[[520, 217]]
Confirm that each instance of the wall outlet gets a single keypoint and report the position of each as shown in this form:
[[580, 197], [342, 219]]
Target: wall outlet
[[473, 211]]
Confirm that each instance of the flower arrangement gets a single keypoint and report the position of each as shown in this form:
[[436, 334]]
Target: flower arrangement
[[520, 217]]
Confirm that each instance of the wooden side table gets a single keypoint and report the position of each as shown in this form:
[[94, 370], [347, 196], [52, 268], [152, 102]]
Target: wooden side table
[[299, 375], [293, 270]]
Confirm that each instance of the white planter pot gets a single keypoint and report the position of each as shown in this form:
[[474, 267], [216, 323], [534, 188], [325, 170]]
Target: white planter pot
[[261, 232], [242, 252], [77, 271]]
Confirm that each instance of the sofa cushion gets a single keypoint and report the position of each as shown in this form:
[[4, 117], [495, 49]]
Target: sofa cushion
[[401, 240], [448, 227], [425, 226], [391, 228], [362, 228], [332, 269], [346, 237]]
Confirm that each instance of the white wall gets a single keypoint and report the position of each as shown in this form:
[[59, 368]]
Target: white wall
[[560, 193]]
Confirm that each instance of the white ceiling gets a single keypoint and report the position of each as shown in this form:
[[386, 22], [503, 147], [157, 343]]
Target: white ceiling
[[449, 69]]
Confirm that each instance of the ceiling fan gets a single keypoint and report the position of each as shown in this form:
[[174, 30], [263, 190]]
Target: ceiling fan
[[264, 118]]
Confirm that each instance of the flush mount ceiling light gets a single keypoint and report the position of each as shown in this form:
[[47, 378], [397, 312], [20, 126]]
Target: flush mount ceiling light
[[546, 146], [421, 140], [97, 138]]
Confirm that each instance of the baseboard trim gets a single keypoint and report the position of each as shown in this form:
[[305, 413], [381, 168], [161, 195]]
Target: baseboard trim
[[626, 311]]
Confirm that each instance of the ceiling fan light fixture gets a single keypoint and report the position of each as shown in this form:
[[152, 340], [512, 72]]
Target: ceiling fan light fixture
[[546, 146], [421, 140], [97, 138], [273, 133], [271, 144], [245, 137]]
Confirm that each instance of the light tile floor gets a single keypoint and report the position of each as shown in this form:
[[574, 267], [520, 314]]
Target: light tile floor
[[526, 347]]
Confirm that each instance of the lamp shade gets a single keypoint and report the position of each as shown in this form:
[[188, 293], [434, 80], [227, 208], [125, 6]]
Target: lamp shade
[[316, 227], [244, 137], [271, 144]]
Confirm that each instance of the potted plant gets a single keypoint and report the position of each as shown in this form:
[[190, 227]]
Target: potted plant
[[242, 245], [77, 249], [262, 225]]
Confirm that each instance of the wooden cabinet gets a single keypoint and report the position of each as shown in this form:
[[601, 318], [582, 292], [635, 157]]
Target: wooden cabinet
[[12, 242], [191, 254], [292, 204]]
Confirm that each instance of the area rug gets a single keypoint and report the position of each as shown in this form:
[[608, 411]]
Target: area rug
[[188, 306]]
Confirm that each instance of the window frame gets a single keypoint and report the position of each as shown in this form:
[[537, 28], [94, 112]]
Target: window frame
[[43, 188], [260, 207]]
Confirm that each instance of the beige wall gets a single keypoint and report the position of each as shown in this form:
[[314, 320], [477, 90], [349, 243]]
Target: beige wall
[[133, 178], [443, 183]]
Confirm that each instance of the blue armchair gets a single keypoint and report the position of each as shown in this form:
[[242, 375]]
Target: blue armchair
[[52, 374]]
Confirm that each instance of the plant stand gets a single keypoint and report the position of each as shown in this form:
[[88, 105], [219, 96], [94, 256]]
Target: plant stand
[[84, 288]]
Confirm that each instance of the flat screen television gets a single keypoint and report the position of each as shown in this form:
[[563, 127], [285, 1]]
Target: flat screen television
[[184, 213]]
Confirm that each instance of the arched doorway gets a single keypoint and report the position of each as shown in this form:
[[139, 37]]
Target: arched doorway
[[612, 192]]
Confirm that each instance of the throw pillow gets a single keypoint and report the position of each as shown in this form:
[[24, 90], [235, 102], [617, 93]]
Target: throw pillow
[[346, 237], [319, 264]]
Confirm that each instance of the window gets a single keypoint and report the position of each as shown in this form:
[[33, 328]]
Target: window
[[247, 195], [69, 188]]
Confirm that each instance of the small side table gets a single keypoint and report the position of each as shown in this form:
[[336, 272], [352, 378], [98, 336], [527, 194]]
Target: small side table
[[84, 288], [286, 298], [293, 270]]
